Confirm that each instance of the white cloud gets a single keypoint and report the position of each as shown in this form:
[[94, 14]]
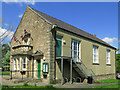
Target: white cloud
[[20, 15], [118, 41], [32, 2], [6, 24], [109, 40], [4, 32]]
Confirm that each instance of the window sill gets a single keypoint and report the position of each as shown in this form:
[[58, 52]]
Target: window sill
[[108, 64], [24, 70], [96, 64]]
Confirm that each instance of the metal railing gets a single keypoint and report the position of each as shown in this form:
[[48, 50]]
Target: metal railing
[[81, 69], [87, 72]]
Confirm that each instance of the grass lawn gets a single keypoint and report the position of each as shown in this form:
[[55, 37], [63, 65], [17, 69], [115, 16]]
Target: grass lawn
[[109, 86], [109, 81], [28, 86], [5, 73]]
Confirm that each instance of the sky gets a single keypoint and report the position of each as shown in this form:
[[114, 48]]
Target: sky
[[99, 18]]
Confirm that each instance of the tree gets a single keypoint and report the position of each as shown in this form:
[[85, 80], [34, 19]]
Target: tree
[[6, 30], [0, 55], [5, 49], [5, 56], [118, 63], [6, 61]]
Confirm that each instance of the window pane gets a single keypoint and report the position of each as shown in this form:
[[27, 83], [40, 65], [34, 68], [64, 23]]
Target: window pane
[[75, 53], [46, 68], [95, 54], [108, 56], [75, 50], [14, 64], [24, 65], [18, 62], [24, 61]]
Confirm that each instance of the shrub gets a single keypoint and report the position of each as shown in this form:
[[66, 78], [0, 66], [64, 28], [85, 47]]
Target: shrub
[[49, 86], [53, 82], [25, 84], [35, 84], [5, 86]]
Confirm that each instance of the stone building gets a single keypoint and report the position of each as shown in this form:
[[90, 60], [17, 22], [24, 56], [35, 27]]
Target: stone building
[[47, 48]]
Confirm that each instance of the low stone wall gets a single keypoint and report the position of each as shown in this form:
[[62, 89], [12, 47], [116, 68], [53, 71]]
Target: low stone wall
[[106, 76], [18, 74]]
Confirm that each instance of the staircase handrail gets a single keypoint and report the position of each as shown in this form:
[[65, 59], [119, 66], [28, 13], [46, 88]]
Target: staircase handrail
[[89, 71], [80, 68]]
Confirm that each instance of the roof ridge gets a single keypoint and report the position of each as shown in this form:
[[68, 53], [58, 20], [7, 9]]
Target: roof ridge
[[64, 22]]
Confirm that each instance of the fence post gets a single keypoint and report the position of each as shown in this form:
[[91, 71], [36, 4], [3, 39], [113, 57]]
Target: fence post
[[22, 76], [11, 74], [2, 73]]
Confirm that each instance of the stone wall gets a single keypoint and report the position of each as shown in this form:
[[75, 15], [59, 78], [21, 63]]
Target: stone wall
[[86, 53], [105, 76], [40, 36]]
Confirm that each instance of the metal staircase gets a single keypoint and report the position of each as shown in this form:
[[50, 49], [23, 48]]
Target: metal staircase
[[82, 70]]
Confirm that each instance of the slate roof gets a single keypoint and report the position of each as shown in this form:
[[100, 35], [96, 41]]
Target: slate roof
[[71, 28]]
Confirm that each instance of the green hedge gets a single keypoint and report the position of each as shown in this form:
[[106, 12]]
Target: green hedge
[[5, 73]]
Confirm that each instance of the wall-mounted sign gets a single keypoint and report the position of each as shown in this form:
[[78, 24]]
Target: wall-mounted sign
[[45, 67]]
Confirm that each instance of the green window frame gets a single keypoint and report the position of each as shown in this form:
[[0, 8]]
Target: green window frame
[[58, 46], [45, 67]]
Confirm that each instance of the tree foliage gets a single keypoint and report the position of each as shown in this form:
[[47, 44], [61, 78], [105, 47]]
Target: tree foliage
[[118, 62], [5, 49], [5, 57], [6, 61]]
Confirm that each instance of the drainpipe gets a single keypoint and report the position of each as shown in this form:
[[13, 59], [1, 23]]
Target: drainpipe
[[115, 62], [33, 67], [53, 28], [54, 46]]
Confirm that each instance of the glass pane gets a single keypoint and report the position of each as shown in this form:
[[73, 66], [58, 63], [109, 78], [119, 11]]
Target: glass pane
[[58, 47], [46, 68], [24, 65], [75, 55], [94, 50], [75, 47], [24, 61]]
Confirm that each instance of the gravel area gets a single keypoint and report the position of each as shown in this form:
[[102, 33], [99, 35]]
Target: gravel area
[[6, 81], [78, 85]]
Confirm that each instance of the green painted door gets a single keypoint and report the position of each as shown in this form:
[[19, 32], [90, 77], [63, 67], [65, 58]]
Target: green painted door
[[39, 69], [58, 47]]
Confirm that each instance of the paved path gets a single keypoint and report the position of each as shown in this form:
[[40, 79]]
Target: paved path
[[79, 85], [6, 81]]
